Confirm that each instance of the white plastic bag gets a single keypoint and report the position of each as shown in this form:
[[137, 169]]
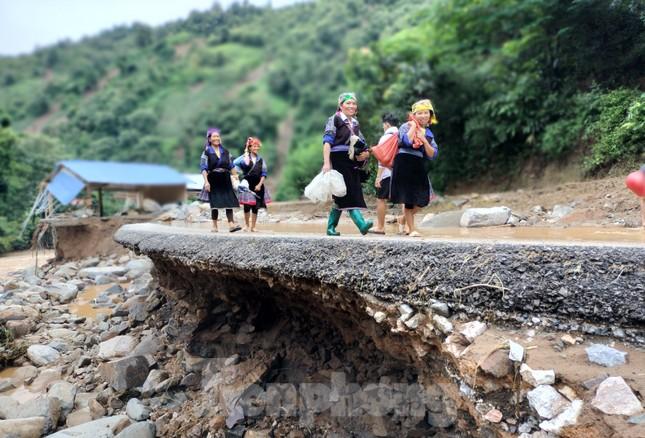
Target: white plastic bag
[[324, 185]]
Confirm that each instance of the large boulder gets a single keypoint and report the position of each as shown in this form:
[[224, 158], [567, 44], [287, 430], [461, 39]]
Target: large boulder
[[94, 272], [126, 373], [63, 292], [101, 428], [47, 408], [485, 217], [31, 427], [65, 392], [17, 313], [41, 355], [615, 397]]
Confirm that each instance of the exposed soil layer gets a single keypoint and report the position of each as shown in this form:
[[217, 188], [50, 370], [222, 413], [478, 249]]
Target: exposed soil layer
[[591, 289], [294, 310]]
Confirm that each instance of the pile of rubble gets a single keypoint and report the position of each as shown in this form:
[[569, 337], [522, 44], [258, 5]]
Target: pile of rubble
[[98, 349]]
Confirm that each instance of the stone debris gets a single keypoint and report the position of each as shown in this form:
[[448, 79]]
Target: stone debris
[[413, 322], [497, 364], [615, 397], [471, 330], [537, 377], [443, 324], [569, 417], [379, 317], [494, 416], [605, 355], [136, 410], [189, 379], [546, 401], [516, 351], [406, 312]]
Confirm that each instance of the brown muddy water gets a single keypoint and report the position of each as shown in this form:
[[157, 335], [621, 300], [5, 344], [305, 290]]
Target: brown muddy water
[[574, 235], [82, 305], [18, 260]]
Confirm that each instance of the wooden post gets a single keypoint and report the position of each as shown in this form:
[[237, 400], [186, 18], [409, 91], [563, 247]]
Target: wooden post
[[100, 202], [88, 197]]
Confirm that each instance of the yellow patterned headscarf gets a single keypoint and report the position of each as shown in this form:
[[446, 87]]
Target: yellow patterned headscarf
[[425, 105]]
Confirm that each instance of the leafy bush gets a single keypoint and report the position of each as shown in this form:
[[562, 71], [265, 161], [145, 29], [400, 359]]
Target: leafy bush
[[619, 131]]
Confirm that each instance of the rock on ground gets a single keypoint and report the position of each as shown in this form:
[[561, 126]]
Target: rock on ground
[[547, 401], [471, 330], [537, 377], [31, 427], [485, 217], [615, 397], [102, 428], [118, 346], [41, 355], [137, 410], [106, 270], [65, 392], [126, 373], [63, 292], [605, 355], [568, 417], [139, 430]]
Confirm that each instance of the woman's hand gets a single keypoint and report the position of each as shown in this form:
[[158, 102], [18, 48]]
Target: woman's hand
[[326, 167], [377, 183], [258, 187], [207, 187], [363, 156]]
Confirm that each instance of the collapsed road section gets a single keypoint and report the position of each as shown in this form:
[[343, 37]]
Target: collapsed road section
[[393, 337]]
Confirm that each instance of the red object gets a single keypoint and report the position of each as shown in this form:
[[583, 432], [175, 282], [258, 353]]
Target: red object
[[636, 183], [386, 151], [414, 126]]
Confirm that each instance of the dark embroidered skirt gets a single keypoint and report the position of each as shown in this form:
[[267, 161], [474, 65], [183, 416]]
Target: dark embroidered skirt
[[340, 162], [254, 197], [384, 191], [410, 184], [222, 194]]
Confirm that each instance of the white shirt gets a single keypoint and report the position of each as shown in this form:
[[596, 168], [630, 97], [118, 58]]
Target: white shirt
[[392, 130]]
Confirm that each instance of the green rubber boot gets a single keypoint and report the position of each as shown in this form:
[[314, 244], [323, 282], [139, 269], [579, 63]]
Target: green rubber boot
[[332, 222], [362, 225]]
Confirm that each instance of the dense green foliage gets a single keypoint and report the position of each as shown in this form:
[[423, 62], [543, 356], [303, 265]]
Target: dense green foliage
[[510, 79], [515, 78]]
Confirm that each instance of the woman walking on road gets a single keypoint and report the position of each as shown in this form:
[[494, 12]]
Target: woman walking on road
[[345, 150], [410, 183]]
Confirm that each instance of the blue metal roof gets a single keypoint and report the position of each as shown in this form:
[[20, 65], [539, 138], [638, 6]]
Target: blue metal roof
[[65, 187], [71, 176], [124, 174]]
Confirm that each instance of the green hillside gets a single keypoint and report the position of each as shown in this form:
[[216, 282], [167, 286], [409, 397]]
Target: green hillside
[[511, 80]]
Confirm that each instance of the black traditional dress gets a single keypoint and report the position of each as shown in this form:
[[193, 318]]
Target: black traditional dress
[[219, 168], [410, 184], [338, 131]]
